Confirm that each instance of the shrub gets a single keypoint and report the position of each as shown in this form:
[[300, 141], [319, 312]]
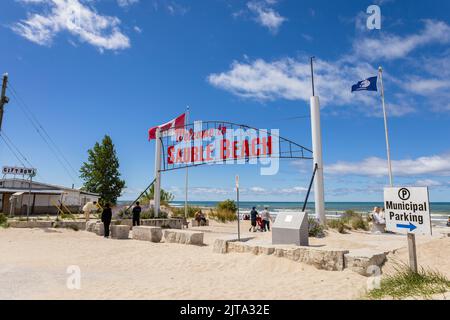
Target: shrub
[[337, 224], [227, 205], [179, 212], [67, 216], [359, 223], [150, 214], [405, 283], [124, 214], [3, 220], [223, 215], [315, 229]]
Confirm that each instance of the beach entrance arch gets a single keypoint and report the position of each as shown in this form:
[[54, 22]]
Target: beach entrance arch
[[221, 142]]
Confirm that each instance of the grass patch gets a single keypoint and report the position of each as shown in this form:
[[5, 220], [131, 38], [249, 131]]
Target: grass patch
[[3, 221], [349, 220], [315, 229], [179, 211], [222, 215], [337, 224], [407, 284]]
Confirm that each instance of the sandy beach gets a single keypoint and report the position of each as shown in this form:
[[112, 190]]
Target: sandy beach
[[34, 265]]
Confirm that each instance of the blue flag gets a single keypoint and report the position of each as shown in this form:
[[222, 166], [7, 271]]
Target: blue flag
[[369, 84]]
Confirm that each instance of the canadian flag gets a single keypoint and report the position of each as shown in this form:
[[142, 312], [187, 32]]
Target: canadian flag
[[175, 123]]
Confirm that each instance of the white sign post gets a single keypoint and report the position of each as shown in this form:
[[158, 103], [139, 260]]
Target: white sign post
[[408, 212]]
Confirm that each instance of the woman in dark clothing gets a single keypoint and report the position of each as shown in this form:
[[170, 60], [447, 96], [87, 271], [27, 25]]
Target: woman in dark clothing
[[106, 219]]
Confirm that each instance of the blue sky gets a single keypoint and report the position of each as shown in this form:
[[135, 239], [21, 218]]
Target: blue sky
[[128, 65]]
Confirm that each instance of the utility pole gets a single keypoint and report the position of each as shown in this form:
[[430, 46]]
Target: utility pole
[[3, 98]]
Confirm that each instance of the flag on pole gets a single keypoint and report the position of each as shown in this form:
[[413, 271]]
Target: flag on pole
[[369, 84], [175, 123]]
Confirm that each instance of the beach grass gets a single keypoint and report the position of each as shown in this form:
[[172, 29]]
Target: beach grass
[[404, 284], [3, 221]]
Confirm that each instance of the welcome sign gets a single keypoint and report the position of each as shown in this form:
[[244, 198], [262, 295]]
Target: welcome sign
[[227, 144]]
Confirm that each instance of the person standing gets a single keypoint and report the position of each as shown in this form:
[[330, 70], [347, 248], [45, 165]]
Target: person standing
[[253, 216], [106, 219], [266, 219], [137, 214]]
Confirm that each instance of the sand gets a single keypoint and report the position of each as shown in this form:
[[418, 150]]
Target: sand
[[34, 262]]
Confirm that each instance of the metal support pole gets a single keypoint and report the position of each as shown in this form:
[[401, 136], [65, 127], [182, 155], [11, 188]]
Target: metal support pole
[[238, 213], [316, 133], [388, 148], [187, 176], [319, 197], [29, 197], [157, 192]]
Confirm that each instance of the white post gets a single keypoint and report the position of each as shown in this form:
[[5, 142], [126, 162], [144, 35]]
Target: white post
[[187, 177], [316, 133], [157, 189], [388, 148]]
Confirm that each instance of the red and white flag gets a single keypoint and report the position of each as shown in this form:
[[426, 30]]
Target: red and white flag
[[178, 122]]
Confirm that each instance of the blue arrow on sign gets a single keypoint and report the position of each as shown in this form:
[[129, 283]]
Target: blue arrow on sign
[[409, 226]]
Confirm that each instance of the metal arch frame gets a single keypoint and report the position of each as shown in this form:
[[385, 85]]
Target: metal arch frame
[[218, 124]]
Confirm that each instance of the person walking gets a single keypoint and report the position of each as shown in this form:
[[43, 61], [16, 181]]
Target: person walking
[[266, 219], [253, 216], [106, 219], [137, 214]]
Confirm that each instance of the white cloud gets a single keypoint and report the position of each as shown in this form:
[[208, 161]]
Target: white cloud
[[290, 79], [78, 19], [265, 15], [126, 3], [393, 47], [428, 183], [438, 165]]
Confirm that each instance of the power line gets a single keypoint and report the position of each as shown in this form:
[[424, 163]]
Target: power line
[[12, 150], [4, 135], [43, 134]]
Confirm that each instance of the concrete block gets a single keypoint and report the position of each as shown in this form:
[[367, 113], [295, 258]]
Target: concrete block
[[31, 224], [360, 260], [120, 232], [90, 226], [76, 225], [183, 237], [324, 259], [144, 233]]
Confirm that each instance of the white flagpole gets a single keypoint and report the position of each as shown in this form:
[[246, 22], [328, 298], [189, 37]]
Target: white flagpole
[[187, 176], [380, 75]]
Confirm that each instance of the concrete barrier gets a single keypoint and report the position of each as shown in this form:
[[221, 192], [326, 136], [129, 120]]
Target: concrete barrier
[[183, 237], [221, 244], [76, 225], [360, 260], [163, 223], [31, 224], [144, 233], [321, 258], [90, 226], [120, 232]]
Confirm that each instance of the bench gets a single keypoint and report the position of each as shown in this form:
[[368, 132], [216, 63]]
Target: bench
[[194, 223], [183, 237]]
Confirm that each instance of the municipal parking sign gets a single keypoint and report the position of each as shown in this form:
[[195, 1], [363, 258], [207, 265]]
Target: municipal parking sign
[[407, 210]]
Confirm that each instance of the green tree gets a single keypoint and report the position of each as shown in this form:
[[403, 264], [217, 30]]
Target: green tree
[[166, 196], [101, 172]]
